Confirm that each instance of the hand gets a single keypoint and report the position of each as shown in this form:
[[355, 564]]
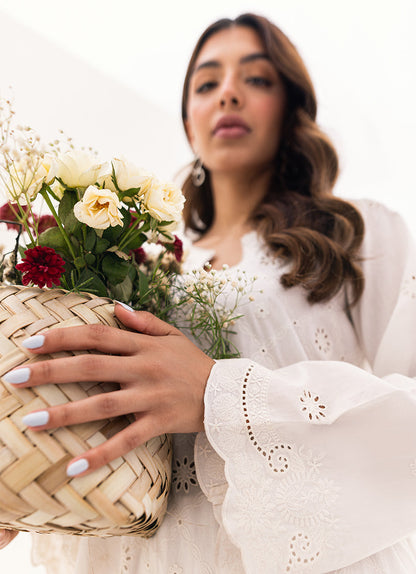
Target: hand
[[162, 377], [6, 536]]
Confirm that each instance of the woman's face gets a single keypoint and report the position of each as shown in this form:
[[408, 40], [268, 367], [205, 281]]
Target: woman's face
[[236, 103]]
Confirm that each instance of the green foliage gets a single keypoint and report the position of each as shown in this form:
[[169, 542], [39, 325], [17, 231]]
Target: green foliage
[[114, 268], [53, 238]]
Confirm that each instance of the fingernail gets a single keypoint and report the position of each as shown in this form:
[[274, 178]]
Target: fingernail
[[126, 307], [33, 342], [18, 376], [77, 467], [36, 419]]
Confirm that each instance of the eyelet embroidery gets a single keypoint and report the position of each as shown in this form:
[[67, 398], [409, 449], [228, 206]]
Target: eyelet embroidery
[[277, 460], [409, 286], [312, 407], [183, 474], [322, 341], [300, 552]]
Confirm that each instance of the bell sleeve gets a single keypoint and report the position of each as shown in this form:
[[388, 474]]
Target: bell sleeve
[[312, 467]]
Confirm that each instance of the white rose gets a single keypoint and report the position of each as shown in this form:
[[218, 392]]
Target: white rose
[[49, 164], [76, 168], [128, 176], [99, 208], [164, 201], [57, 189], [21, 183]]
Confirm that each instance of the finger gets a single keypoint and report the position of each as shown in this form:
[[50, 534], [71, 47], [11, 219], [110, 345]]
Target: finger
[[76, 369], [128, 439], [6, 536], [87, 337], [98, 407], [144, 322]]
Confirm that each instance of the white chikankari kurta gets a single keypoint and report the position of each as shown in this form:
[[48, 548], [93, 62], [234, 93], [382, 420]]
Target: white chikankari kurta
[[308, 463]]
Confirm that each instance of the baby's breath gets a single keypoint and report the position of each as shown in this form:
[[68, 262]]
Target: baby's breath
[[208, 306]]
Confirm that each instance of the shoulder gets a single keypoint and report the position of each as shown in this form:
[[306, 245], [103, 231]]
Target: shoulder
[[371, 209], [383, 225], [388, 244]]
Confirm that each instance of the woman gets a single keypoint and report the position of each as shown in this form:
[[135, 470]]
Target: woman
[[307, 460]]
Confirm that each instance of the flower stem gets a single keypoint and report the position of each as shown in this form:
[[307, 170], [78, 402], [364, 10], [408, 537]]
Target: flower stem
[[49, 203]]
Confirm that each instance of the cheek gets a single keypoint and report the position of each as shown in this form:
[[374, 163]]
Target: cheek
[[273, 119], [198, 117], [273, 112]]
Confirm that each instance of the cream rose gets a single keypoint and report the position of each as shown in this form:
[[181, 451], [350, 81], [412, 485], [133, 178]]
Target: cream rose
[[128, 176], [21, 183], [57, 189], [164, 201], [99, 208], [77, 168]]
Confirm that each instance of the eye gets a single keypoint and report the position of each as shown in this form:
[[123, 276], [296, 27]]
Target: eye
[[259, 81], [206, 87]]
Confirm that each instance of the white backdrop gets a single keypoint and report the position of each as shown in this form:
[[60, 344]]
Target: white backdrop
[[110, 75]]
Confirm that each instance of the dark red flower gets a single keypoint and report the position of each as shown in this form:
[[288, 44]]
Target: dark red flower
[[175, 247], [178, 249], [45, 222], [8, 212], [139, 255], [41, 266]]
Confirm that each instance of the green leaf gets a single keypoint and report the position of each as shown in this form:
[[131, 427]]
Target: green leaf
[[112, 234], [90, 259], [79, 262], [131, 192], [126, 218], [114, 268], [90, 240], [135, 241], [123, 291], [66, 211], [144, 290], [101, 245], [52, 237], [90, 282]]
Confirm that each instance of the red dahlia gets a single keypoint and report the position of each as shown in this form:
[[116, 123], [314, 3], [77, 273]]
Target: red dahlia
[[41, 266]]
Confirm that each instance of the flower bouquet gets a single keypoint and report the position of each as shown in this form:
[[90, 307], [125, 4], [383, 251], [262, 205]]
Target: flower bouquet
[[66, 268]]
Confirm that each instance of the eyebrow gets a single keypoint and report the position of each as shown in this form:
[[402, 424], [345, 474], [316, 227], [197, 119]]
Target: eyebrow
[[243, 60]]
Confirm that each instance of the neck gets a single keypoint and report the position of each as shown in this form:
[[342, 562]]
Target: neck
[[235, 197]]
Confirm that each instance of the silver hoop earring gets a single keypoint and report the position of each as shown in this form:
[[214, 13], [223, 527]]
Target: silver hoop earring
[[198, 173]]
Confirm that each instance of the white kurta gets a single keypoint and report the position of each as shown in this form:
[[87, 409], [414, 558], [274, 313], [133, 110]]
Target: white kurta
[[308, 463]]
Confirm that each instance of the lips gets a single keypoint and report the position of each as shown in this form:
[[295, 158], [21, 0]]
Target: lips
[[231, 126]]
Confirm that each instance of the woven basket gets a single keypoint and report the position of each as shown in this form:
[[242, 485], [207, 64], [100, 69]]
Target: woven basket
[[128, 496]]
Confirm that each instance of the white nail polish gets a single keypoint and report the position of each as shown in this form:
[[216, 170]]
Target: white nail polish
[[36, 419], [18, 376], [127, 307], [33, 342], [77, 467]]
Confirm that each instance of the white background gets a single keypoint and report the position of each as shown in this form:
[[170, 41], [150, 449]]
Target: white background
[[110, 74]]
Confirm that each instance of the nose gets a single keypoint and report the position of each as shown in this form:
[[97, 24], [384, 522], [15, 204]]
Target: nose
[[233, 101], [230, 95]]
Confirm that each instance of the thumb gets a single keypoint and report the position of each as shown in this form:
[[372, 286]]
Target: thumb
[[143, 321]]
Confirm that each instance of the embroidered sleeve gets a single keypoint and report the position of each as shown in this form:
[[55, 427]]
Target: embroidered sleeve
[[319, 456]]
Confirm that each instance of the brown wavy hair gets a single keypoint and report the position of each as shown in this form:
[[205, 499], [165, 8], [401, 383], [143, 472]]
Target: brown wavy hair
[[299, 218]]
